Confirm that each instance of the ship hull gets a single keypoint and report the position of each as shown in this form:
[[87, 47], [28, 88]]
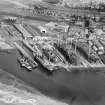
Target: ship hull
[[89, 86]]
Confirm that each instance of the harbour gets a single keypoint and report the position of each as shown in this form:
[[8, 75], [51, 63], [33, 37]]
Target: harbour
[[63, 56]]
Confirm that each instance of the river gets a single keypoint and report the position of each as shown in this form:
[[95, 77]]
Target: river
[[86, 88]]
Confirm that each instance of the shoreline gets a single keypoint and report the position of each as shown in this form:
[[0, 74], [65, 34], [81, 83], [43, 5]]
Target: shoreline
[[59, 85]]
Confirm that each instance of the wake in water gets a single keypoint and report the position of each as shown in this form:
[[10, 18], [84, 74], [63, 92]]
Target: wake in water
[[15, 92]]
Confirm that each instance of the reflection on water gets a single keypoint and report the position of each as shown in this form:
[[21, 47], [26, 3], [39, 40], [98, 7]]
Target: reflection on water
[[82, 88], [15, 92]]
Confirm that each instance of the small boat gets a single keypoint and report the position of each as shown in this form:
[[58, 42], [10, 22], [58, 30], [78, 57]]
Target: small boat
[[25, 64], [46, 55], [25, 59]]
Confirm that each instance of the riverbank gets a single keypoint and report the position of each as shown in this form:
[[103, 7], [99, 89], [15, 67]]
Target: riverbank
[[81, 88], [15, 92]]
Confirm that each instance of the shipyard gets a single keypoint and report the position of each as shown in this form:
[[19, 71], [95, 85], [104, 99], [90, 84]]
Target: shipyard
[[56, 49]]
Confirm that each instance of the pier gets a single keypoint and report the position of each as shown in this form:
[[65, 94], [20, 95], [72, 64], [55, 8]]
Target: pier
[[25, 53]]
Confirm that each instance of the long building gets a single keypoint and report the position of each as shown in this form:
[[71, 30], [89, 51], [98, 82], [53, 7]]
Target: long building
[[59, 11], [50, 13], [23, 30]]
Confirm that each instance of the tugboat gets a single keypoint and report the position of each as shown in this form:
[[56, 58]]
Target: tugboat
[[24, 63]]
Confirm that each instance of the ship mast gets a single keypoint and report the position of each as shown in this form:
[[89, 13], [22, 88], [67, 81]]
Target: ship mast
[[87, 33], [71, 23]]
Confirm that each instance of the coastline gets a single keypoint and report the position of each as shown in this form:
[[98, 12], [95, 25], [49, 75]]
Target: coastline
[[83, 86]]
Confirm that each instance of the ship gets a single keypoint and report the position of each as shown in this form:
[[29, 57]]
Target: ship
[[46, 54], [25, 59]]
